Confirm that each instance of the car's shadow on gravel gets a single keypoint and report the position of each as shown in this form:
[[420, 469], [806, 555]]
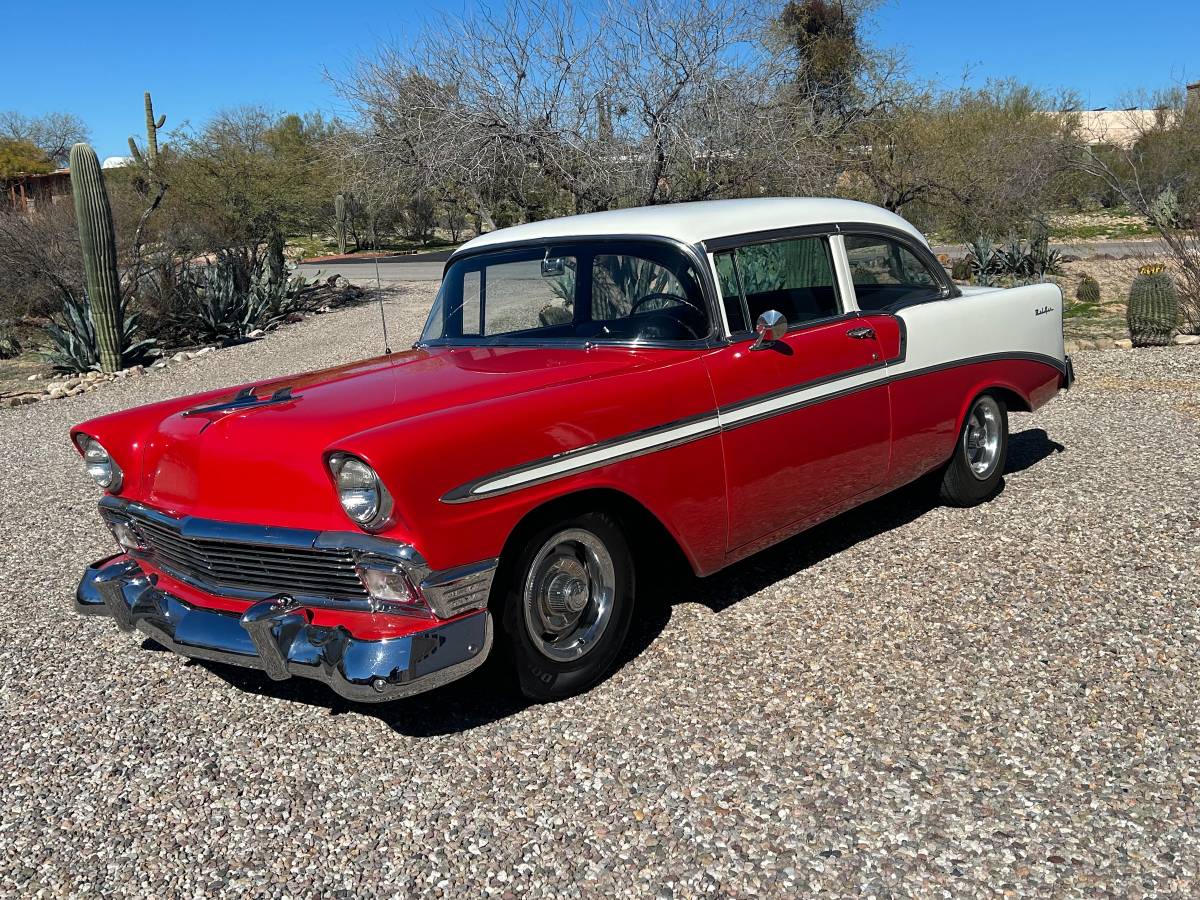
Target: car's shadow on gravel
[[488, 695]]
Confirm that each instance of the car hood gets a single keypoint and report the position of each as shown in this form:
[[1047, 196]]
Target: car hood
[[257, 453]]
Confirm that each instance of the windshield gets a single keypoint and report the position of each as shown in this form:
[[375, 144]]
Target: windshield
[[597, 291]]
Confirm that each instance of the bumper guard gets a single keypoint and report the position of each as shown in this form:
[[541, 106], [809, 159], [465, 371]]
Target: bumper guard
[[275, 635]]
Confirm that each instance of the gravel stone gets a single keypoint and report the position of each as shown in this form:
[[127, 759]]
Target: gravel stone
[[909, 700]]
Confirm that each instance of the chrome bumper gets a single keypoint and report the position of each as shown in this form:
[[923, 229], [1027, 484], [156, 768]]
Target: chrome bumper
[[275, 635]]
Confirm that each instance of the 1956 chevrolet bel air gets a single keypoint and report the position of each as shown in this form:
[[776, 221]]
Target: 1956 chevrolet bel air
[[709, 378]]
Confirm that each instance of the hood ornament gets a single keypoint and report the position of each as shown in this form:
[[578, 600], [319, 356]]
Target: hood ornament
[[246, 399]]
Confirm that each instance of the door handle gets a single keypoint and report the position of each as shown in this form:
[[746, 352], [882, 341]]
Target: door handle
[[863, 332]]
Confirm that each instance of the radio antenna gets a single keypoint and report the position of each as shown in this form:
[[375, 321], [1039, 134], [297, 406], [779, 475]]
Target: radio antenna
[[387, 349]]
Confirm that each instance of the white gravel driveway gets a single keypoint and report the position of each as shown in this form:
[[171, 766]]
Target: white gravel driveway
[[909, 700]]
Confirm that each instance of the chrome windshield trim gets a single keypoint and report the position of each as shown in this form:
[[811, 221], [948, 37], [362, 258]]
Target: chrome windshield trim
[[695, 254]]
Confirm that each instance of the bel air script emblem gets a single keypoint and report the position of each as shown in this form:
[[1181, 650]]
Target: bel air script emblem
[[1043, 310]]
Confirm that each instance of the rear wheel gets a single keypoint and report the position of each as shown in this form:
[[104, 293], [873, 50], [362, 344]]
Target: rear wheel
[[974, 472], [568, 603]]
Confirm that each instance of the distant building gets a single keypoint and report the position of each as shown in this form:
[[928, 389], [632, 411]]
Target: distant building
[[26, 193]]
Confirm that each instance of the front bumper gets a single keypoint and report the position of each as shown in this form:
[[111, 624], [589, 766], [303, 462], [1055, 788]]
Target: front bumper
[[275, 635]]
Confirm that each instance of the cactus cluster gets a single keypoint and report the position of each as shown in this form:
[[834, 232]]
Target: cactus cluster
[[960, 269], [93, 215], [1153, 311], [1088, 290]]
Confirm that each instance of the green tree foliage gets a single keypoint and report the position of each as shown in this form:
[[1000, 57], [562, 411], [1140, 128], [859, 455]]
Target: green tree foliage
[[972, 161], [18, 157], [247, 176]]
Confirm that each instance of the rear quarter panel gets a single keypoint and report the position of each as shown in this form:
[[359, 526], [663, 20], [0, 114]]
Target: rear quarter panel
[[954, 350]]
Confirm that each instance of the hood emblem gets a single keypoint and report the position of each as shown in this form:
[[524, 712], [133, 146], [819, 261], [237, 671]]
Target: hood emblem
[[245, 399]]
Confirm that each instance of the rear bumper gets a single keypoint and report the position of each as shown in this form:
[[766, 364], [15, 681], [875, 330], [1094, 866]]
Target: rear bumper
[[275, 636]]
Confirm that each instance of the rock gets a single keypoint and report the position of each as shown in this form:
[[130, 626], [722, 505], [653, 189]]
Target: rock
[[10, 401], [1085, 345], [161, 364], [56, 392], [256, 333], [181, 356], [203, 351], [71, 383], [75, 391], [1123, 344], [1070, 346], [36, 376], [1187, 340], [30, 398]]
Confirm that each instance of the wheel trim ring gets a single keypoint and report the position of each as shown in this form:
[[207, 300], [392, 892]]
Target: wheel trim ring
[[589, 625], [981, 438]]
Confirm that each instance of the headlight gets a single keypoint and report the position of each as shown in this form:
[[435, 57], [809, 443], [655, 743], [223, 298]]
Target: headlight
[[361, 493], [104, 471]]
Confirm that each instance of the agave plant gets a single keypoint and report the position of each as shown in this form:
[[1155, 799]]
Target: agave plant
[[219, 310], [982, 260], [74, 336]]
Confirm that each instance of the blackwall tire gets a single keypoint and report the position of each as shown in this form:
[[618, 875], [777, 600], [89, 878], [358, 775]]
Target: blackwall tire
[[568, 603], [975, 470]]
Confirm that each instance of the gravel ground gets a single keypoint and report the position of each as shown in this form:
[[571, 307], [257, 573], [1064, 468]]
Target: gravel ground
[[908, 700]]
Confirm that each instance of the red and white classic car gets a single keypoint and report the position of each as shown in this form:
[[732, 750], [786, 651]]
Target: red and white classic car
[[709, 377]]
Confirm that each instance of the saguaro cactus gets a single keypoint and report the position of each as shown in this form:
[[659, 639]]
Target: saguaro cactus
[[150, 161], [93, 215], [339, 216], [1153, 310]]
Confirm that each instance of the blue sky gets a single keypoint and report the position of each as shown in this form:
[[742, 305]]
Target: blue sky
[[197, 59]]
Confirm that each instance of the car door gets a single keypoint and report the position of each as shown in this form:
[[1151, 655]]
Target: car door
[[806, 420]]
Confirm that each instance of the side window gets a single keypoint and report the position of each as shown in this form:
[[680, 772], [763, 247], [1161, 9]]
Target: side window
[[794, 277], [885, 272], [731, 292]]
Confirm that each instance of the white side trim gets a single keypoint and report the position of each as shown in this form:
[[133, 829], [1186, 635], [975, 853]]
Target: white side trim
[[801, 396], [600, 455]]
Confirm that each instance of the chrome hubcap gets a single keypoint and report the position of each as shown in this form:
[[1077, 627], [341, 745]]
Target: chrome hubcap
[[981, 438], [568, 596]]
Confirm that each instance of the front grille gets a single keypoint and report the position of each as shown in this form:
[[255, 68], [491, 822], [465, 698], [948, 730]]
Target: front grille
[[231, 567]]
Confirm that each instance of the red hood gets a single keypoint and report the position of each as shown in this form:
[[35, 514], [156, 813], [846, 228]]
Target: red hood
[[265, 463]]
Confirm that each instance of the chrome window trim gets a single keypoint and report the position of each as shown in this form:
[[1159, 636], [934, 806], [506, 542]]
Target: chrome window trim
[[694, 253], [775, 236]]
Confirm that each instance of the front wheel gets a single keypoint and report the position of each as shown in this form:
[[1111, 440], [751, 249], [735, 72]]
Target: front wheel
[[567, 605], [974, 472]]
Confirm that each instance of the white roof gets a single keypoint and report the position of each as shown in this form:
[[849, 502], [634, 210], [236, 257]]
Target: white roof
[[700, 221]]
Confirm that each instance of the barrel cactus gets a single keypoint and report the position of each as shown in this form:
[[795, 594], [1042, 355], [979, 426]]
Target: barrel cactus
[[960, 269], [339, 217], [1088, 290], [93, 215], [1153, 310]]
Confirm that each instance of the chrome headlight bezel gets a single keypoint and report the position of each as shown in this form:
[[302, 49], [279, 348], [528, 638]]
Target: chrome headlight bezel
[[377, 514], [100, 464]]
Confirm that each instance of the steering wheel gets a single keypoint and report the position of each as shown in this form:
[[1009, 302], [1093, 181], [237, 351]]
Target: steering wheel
[[664, 295]]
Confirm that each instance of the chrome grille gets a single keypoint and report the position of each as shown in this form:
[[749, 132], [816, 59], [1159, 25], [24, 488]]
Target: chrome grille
[[233, 567]]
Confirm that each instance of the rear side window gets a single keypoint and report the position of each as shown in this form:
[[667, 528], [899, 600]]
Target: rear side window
[[885, 273], [794, 277]]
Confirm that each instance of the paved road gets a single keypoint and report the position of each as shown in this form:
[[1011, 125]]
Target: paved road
[[390, 272], [427, 267], [1091, 248]]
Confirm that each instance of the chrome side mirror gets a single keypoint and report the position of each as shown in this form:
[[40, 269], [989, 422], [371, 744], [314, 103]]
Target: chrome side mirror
[[770, 327]]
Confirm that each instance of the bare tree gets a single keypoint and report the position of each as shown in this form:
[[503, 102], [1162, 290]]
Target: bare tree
[[53, 133], [546, 107]]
